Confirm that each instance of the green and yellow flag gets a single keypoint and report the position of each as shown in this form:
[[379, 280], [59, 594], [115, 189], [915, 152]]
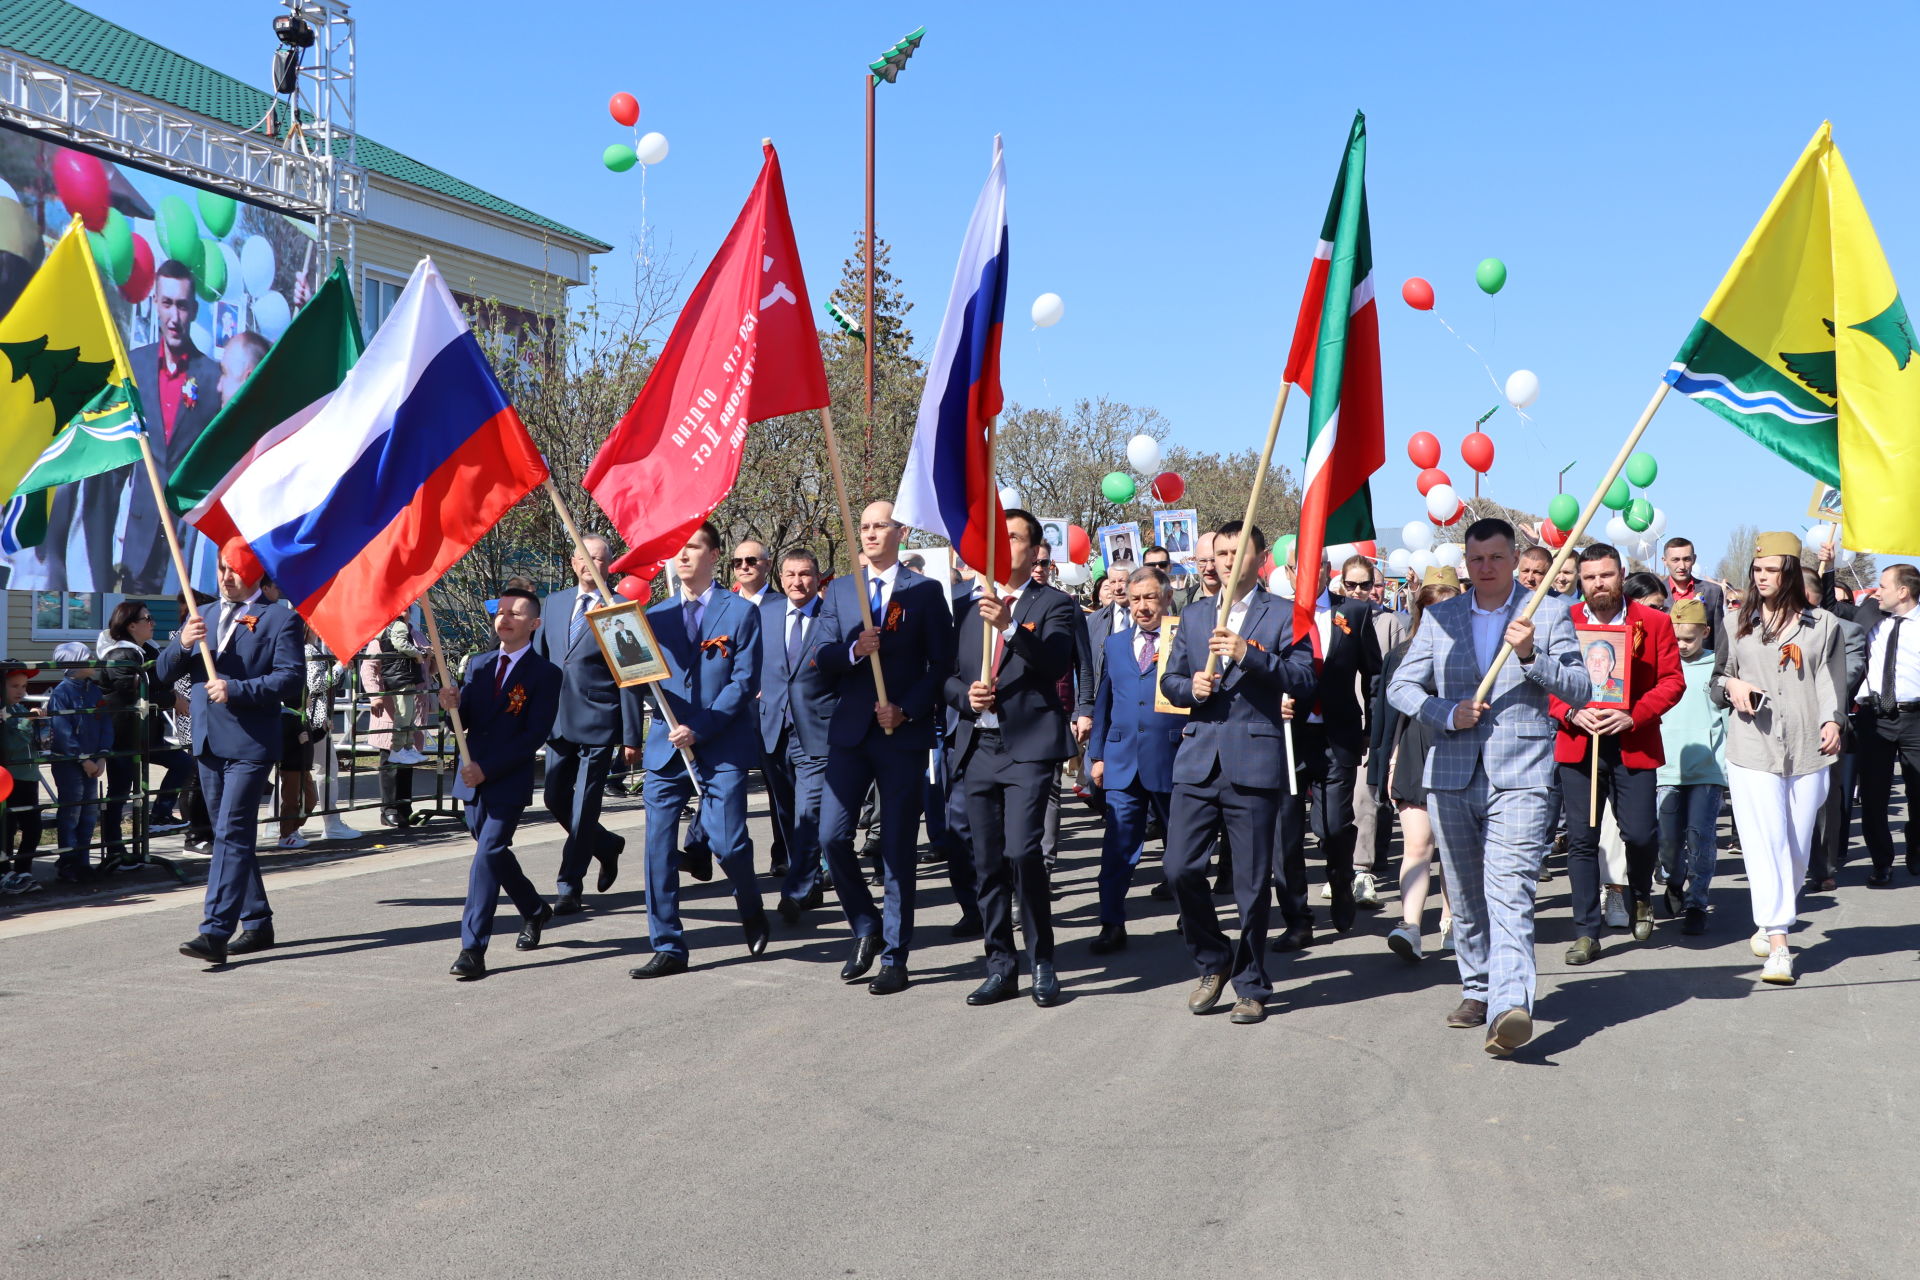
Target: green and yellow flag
[[58, 350], [1807, 347]]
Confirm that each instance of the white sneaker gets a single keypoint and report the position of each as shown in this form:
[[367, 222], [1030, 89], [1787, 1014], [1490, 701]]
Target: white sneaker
[[1616, 909], [1761, 947], [405, 756], [337, 830], [1446, 933], [293, 841], [1779, 968], [1405, 942], [1366, 894], [1326, 892]]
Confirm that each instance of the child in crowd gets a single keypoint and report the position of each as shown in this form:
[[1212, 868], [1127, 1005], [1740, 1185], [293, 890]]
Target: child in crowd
[[81, 737], [20, 820], [1693, 781]]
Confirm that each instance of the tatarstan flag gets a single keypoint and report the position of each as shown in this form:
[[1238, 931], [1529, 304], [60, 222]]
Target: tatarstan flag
[[1335, 359]]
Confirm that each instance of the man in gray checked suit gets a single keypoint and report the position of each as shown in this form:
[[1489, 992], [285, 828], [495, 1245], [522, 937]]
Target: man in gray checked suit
[[1490, 773]]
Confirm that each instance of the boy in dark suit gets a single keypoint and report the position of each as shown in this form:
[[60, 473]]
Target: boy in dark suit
[[507, 707], [1132, 748]]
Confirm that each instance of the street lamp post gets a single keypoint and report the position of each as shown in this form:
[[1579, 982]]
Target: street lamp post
[[887, 67]]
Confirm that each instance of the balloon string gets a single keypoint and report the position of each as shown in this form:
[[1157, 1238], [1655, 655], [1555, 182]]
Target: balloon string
[[1498, 389], [1041, 356]]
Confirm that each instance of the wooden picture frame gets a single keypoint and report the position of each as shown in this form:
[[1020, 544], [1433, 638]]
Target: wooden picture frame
[[627, 643], [1169, 628], [1613, 681], [1826, 504]]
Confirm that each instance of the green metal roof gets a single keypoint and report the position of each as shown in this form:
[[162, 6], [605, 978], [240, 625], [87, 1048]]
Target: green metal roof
[[68, 36]]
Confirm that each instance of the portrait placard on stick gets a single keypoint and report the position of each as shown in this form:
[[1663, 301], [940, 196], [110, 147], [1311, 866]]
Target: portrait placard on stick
[[627, 643]]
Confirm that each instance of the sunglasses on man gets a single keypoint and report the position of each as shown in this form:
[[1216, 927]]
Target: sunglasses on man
[[745, 562]]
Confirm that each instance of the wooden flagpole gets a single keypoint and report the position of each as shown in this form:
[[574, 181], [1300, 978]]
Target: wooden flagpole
[[1575, 534], [853, 546], [993, 516], [606, 594], [1230, 590], [446, 677], [1593, 784]]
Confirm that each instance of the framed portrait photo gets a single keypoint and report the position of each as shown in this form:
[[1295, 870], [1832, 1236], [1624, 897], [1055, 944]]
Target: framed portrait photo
[[1603, 652], [1053, 532], [1825, 504], [1177, 532], [1169, 628], [627, 643], [1120, 546]]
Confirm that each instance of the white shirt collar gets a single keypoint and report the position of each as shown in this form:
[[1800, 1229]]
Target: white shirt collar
[[1599, 621], [804, 610], [1325, 603], [705, 597], [507, 659], [1473, 602]]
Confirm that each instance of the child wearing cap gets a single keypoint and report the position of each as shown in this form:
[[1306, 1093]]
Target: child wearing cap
[[81, 737], [20, 820], [1692, 782]]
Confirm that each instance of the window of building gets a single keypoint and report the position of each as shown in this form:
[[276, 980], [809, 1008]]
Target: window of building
[[71, 615], [377, 300]]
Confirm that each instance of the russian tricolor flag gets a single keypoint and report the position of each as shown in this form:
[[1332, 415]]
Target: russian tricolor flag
[[393, 476], [949, 488]]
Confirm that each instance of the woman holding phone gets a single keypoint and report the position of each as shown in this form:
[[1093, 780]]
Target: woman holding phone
[[1783, 674]]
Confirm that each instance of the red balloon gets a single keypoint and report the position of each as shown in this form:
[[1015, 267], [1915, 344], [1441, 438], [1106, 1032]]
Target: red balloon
[[140, 279], [1167, 487], [625, 108], [1477, 451], [1552, 534], [1423, 448], [1418, 294], [6, 783], [1429, 478], [1079, 545], [1370, 549], [1455, 517], [81, 182]]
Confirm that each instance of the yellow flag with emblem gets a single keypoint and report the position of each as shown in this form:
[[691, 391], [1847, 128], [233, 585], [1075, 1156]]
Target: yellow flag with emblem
[[58, 349]]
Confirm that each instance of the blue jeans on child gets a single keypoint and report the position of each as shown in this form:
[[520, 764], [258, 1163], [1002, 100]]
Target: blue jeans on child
[[1688, 818], [75, 792]]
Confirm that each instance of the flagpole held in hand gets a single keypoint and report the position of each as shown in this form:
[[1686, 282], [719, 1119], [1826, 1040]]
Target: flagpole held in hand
[[606, 594], [1230, 590], [446, 679], [1574, 534], [853, 548], [993, 518]]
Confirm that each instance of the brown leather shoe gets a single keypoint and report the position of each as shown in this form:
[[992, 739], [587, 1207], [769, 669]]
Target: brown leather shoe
[[1207, 994], [1471, 1013], [1248, 1010], [1513, 1028]]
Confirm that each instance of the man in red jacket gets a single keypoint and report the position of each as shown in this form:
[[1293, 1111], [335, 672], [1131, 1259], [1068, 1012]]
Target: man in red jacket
[[1630, 753]]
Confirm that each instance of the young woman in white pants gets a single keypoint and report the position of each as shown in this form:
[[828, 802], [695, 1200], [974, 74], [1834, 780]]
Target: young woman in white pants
[[1783, 674]]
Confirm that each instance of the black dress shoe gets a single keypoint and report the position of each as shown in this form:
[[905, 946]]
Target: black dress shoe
[[997, 987], [1696, 922], [1342, 912], [1161, 893], [247, 940], [967, 927], [204, 946], [865, 951], [1113, 937], [757, 934], [1297, 938], [1223, 888], [567, 904], [1046, 986], [471, 964], [1880, 878], [662, 964], [697, 861], [778, 867], [530, 929], [891, 979], [611, 847], [817, 895], [789, 910]]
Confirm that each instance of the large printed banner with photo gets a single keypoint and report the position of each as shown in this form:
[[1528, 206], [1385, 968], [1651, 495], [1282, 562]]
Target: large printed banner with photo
[[200, 284]]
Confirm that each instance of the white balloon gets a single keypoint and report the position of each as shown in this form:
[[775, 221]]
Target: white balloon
[[1279, 583], [271, 316], [1143, 454], [236, 286], [652, 148], [1074, 575], [1399, 559], [1423, 561], [1442, 502], [1659, 525], [256, 265], [1417, 535], [202, 336], [1523, 388], [1048, 309], [1011, 497], [1451, 554], [1337, 553], [1643, 549], [1617, 532]]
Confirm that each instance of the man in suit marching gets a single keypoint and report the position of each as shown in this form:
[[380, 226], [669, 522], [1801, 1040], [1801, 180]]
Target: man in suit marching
[[259, 666], [1231, 769], [711, 640], [1490, 772], [1011, 739], [507, 708], [1329, 737], [912, 639], [1132, 747], [599, 724], [793, 726]]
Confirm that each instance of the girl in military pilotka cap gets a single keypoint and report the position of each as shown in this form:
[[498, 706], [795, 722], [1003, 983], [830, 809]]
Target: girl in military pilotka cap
[[1784, 678]]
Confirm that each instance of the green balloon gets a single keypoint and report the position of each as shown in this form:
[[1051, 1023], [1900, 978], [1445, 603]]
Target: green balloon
[[1639, 515], [211, 278], [1284, 548], [1563, 511], [1617, 496], [101, 258], [1097, 566], [179, 233], [1118, 487], [619, 157], [119, 241], [1641, 470], [218, 212], [1491, 275]]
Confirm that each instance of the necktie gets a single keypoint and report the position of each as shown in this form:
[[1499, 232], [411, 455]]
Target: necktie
[[500, 667], [229, 609], [1000, 639], [693, 621], [796, 623], [873, 598], [1888, 686], [1150, 651], [586, 601]]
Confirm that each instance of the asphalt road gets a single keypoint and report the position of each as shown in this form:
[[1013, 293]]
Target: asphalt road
[[341, 1107]]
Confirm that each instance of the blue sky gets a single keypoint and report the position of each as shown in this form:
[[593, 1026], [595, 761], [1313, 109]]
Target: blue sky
[[1168, 168]]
